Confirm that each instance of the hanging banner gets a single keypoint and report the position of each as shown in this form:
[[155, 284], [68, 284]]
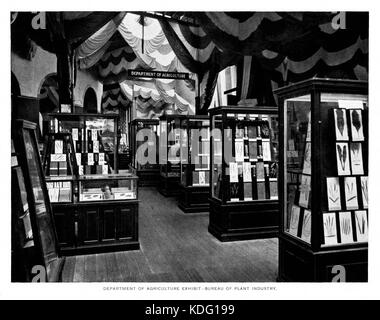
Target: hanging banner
[[158, 74]]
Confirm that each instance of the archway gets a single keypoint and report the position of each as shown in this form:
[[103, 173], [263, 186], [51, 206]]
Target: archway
[[90, 102], [48, 94]]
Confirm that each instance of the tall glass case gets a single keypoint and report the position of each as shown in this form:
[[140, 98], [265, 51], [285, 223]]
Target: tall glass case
[[37, 209], [144, 135], [94, 137], [244, 172], [324, 179], [105, 188], [169, 153], [195, 163]]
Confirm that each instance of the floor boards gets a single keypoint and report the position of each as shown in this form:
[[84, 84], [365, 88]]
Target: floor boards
[[176, 247]]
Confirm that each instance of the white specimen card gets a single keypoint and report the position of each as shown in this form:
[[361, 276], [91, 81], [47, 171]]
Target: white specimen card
[[247, 176], [234, 172], [329, 229]]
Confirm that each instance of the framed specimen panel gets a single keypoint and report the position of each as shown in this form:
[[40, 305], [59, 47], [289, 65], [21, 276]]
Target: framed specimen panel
[[323, 174]]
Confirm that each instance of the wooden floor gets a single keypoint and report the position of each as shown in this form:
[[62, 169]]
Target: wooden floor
[[177, 248]]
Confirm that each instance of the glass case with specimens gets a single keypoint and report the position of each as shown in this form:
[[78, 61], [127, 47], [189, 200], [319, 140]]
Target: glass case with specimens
[[324, 176], [244, 172]]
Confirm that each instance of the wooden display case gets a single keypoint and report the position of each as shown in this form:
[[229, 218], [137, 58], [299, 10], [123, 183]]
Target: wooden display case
[[100, 213], [244, 162], [195, 164], [147, 172], [323, 181]]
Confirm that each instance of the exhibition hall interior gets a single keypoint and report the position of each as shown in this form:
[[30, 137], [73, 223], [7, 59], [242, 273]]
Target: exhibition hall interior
[[200, 147]]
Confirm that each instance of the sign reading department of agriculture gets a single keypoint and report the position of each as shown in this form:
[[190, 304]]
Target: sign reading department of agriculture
[[158, 74]]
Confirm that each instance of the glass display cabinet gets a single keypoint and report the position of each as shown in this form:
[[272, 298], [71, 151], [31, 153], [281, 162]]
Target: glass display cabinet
[[145, 165], [195, 164], [95, 208], [94, 137], [28, 184], [324, 181], [244, 172], [169, 154]]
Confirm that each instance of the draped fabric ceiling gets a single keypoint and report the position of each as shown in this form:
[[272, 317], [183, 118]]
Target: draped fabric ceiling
[[145, 48], [270, 48]]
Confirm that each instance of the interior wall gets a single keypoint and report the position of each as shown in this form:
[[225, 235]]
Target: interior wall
[[86, 79], [31, 73]]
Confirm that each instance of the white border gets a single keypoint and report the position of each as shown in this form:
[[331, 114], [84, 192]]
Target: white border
[[282, 290]]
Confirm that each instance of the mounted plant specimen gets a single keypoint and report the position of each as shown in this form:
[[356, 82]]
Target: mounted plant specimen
[[356, 125], [342, 159], [356, 158], [361, 226], [307, 159], [333, 194], [346, 232], [364, 187], [306, 226], [329, 228], [351, 193], [341, 129], [294, 220], [305, 191]]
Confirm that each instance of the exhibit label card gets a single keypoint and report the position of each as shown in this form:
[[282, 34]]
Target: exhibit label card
[[342, 159], [202, 178], [94, 134], [74, 133], [95, 146], [57, 157], [356, 158], [79, 158], [364, 187], [239, 151], [90, 159], [346, 233], [294, 220], [350, 104], [307, 159], [58, 146], [234, 173], [341, 128], [105, 169], [329, 229], [351, 193], [356, 125], [247, 176], [305, 191], [361, 222], [306, 226], [101, 158], [333, 194], [266, 151]]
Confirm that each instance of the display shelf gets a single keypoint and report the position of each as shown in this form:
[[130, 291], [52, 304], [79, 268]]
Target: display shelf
[[194, 164], [147, 172], [244, 162], [323, 188], [169, 154]]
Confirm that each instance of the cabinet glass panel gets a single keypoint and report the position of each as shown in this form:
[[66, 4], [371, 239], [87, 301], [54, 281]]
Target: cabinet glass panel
[[217, 156], [106, 188], [94, 140], [297, 162], [144, 141], [195, 152], [244, 155], [170, 135]]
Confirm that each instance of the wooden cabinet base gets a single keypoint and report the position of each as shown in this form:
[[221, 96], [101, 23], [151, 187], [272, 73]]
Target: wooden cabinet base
[[243, 221], [97, 227], [300, 264], [194, 199], [148, 178], [169, 186]]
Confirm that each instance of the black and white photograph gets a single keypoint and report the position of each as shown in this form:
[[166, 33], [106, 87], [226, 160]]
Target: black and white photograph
[[176, 149]]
